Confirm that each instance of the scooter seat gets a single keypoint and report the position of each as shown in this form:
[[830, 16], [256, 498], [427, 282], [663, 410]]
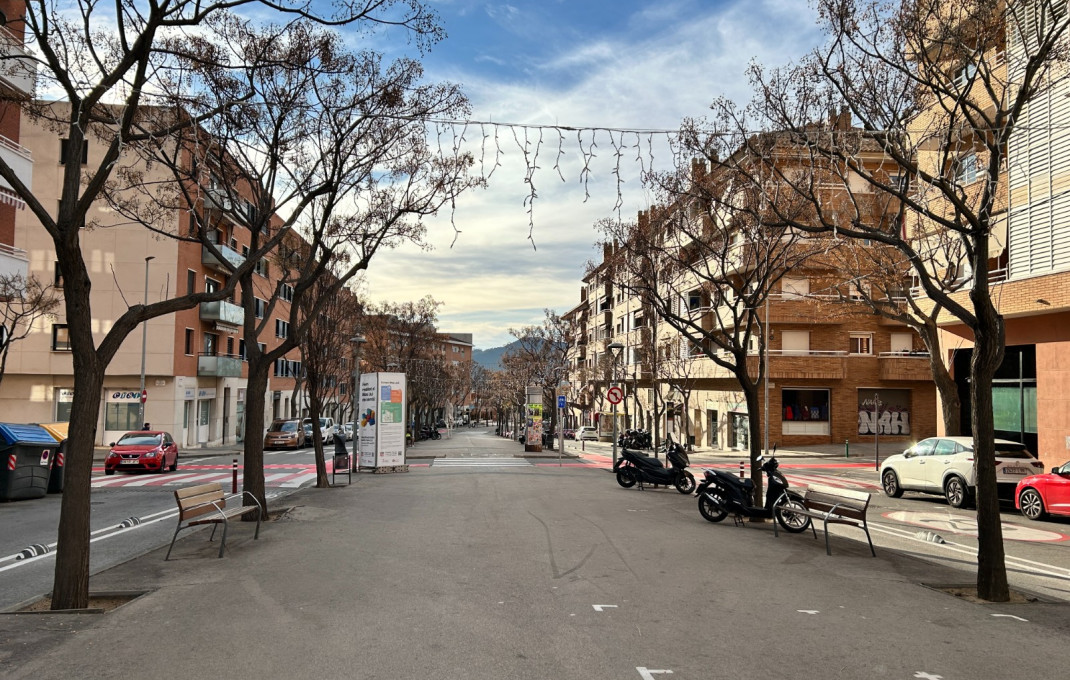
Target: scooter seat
[[643, 460]]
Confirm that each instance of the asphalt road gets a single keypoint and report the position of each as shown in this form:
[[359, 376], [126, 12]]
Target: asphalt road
[[488, 571]]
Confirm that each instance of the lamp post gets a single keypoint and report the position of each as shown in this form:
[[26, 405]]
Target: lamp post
[[354, 398], [144, 338], [615, 349]]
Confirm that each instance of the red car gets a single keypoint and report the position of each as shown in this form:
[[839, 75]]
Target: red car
[[1048, 494], [142, 450]]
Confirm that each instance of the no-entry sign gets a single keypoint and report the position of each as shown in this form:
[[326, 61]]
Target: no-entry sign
[[615, 395]]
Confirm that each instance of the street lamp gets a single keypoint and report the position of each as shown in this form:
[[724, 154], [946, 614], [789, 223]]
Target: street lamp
[[354, 398], [615, 350], [144, 337]]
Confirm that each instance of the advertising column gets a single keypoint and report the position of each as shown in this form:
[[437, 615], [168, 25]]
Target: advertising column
[[381, 420]]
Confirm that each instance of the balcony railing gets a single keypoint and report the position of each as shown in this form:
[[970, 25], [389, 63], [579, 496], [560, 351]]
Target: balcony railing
[[912, 366], [223, 312], [16, 70], [218, 366], [13, 261], [232, 256], [18, 158]]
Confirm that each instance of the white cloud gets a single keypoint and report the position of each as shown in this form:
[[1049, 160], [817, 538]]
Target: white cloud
[[493, 279]]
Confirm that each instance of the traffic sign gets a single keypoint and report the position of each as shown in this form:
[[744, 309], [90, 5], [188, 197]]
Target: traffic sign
[[144, 396], [615, 395], [561, 401]]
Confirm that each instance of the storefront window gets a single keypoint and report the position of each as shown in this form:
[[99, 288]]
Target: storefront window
[[122, 416], [805, 411]]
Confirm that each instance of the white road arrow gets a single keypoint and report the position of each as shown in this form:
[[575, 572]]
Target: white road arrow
[[603, 607], [808, 611], [648, 673]]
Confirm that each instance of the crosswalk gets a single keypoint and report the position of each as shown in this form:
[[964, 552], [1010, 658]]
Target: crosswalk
[[283, 476], [481, 462]]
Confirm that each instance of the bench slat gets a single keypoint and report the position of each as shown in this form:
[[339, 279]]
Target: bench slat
[[832, 505]]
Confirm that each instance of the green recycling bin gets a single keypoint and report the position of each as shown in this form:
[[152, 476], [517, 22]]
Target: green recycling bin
[[26, 453]]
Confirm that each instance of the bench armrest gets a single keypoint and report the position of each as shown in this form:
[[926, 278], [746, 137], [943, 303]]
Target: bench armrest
[[242, 496]]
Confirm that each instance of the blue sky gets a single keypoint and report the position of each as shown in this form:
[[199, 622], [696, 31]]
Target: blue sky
[[631, 64]]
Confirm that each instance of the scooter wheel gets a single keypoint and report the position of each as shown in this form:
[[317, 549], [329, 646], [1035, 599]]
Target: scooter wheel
[[685, 483], [791, 522], [710, 510], [626, 477]]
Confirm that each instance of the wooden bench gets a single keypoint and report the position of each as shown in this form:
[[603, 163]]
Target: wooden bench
[[836, 506], [206, 504]]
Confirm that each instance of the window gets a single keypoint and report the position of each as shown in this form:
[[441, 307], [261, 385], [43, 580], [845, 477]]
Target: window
[[965, 74], [694, 300], [795, 342], [902, 342], [63, 151], [261, 267], [286, 292], [861, 343], [241, 350], [191, 282], [259, 307], [189, 341], [805, 411], [61, 340], [965, 169], [230, 347], [860, 290], [794, 287], [282, 328], [122, 415], [210, 285], [211, 344]]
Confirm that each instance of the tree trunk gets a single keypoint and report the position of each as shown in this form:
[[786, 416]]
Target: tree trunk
[[754, 439], [317, 440], [986, 357], [253, 471], [950, 404], [70, 589]]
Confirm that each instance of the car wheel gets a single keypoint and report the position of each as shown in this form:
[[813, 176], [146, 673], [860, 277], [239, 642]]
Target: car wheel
[[163, 467], [174, 465], [109, 472], [1032, 504], [956, 492], [890, 482]]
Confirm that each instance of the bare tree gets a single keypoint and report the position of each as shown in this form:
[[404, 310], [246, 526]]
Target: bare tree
[[324, 352], [541, 356], [940, 90], [111, 67], [23, 301]]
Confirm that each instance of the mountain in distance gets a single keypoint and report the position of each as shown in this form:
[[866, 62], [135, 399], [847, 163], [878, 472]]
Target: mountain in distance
[[491, 359]]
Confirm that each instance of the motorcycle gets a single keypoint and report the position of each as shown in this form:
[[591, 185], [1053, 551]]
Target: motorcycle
[[635, 467], [721, 493], [428, 432], [634, 439]]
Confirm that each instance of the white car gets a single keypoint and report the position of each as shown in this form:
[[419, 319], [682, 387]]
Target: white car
[[326, 427], [348, 428], [586, 432], [944, 465]]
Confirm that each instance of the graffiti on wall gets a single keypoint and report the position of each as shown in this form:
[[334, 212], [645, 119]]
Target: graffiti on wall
[[883, 412]]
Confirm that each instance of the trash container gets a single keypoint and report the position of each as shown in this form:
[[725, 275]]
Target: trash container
[[26, 453], [55, 477]]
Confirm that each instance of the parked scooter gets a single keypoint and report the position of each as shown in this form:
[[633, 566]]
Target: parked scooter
[[633, 467], [634, 439], [722, 493]]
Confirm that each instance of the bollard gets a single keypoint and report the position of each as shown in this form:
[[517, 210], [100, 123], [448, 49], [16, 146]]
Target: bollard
[[234, 477], [742, 475], [846, 448]]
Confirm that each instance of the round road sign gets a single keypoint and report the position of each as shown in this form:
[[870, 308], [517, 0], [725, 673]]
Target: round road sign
[[615, 395], [144, 396]]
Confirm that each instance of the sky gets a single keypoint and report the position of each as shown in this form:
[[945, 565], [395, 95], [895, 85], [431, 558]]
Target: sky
[[621, 64]]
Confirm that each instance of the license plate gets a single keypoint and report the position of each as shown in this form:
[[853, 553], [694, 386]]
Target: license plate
[[1015, 471], [129, 461]]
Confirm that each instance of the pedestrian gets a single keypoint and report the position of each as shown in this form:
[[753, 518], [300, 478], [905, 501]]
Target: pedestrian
[[147, 427]]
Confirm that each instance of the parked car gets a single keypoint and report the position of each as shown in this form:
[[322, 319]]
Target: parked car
[[326, 428], [286, 434], [569, 433], [945, 465], [347, 429], [151, 450], [586, 432], [1044, 494]]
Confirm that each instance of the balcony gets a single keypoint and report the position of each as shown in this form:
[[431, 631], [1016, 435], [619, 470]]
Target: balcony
[[19, 159], [802, 364], [20, 74], [810, 309], [218, 366], [222, 312], [13, 261], [229, 254], [913, 366]]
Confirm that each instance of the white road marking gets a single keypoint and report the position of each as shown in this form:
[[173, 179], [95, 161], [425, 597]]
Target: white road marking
[[603, 607], [808, 611], [1011, 616], [481, 462], [197, 477], [648, 673], [300, 480], [927, 676]]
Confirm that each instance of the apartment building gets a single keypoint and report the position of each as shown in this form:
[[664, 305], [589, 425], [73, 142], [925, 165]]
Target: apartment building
[[194, 360], [17, 80]]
